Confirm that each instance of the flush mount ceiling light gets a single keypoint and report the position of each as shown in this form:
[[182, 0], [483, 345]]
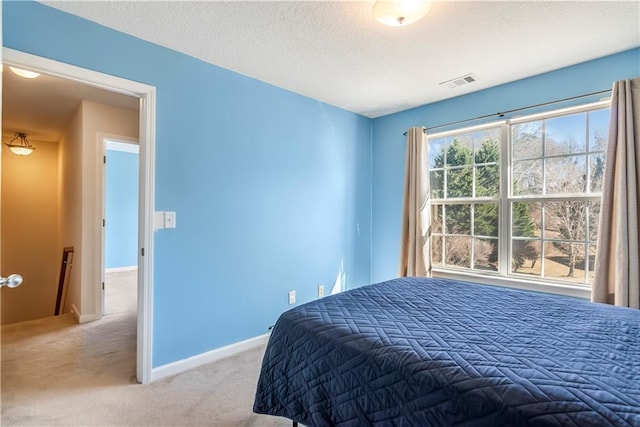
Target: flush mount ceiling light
[[23, 147], [25, 73], [400, 13]]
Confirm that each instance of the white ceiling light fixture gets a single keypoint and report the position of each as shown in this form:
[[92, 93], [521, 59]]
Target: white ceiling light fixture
[[23, 147], [25, 73], [400, 13]]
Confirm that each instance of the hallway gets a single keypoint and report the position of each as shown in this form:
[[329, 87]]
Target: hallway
[[58, 373], [46, 358]]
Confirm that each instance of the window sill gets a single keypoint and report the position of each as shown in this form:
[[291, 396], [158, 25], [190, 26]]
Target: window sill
[[509, 282]]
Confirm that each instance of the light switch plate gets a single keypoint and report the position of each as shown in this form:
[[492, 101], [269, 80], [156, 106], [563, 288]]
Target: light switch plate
[[169, 220]]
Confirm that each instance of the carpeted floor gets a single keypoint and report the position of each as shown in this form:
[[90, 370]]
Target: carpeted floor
[[58, 373]]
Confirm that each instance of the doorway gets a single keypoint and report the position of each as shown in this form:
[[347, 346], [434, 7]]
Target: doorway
[[92, 254], [120, 231]]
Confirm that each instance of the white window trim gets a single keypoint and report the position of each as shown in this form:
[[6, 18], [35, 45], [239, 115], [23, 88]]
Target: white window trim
[[514, 282], [561, 112], [503, 277]]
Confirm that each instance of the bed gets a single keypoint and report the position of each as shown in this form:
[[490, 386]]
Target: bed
[[423, 351]]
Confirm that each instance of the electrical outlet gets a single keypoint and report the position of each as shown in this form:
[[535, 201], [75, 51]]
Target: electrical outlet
[[292, 297], [320, 291]]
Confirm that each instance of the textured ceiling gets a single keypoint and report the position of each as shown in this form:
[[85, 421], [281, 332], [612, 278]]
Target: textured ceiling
[[335, 52]]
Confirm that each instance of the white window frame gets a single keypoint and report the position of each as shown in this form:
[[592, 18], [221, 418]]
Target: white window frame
[[504, 276]]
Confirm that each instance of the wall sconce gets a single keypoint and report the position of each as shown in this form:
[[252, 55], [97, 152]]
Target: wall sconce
[[23, 147], [400, 13]]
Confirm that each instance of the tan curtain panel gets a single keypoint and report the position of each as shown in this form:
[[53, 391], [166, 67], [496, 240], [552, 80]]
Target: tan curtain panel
[[415, 256], [617, 274]]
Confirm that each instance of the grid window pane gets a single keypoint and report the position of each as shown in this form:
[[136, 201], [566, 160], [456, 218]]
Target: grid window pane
[[466, 165], [487, 181], [525, 257], [527, 177], [527, 140], [460, 150], [436, 250], [436, 153], [555, 169], [436, 182], [565, 220], [565, 175], [526, 219], [596, 172], [486, 219], [594, 219], [458, 219], [573, 164], [485, 254], [458, 251], [598, 129], [564, 261], [436, 219], [487, 146], [592, 263], [459, 182], [565, 134]]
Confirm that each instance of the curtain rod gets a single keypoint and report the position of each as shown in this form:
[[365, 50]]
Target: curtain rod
[[501, 114]]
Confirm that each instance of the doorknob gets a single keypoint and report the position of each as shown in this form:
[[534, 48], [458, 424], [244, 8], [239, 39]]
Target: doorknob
[[13, 281]]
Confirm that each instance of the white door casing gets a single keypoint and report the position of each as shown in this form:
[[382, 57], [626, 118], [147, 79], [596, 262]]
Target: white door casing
[[146, 94], [104, 139]]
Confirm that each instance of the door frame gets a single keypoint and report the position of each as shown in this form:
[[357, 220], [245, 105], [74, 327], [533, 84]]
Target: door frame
[[147, 96], [103, 140]]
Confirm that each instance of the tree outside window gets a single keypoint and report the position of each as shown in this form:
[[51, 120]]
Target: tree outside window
[[556, 166]]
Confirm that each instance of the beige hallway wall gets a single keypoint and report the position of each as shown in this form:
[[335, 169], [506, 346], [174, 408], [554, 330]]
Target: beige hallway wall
[[62, 187], [29, 231], [98, 121], [70, 203]]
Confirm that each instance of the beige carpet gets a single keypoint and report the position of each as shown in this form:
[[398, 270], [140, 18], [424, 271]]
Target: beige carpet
[[57, 373]]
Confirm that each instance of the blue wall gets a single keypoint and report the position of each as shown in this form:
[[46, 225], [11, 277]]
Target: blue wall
[[121, 209], [273, 195], [389, 143], [279, 191]]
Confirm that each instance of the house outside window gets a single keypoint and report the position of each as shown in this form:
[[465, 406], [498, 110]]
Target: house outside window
[[520, 199]]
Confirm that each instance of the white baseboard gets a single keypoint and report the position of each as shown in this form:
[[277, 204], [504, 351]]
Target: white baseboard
[[83, 318], [76, 312], [121, 269], [183, 365]]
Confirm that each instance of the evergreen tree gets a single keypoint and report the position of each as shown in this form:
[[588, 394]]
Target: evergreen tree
[[459, 163], [523, 226]]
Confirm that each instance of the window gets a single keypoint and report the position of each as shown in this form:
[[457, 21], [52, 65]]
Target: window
[[535, 180]]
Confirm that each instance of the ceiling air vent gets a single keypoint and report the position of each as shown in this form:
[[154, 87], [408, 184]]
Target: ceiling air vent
[[459, 81]]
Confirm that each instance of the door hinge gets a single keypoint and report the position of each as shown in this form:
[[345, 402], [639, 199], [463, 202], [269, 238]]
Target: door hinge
[[103, 286], [142, 251], [104, 159], [103, 222]]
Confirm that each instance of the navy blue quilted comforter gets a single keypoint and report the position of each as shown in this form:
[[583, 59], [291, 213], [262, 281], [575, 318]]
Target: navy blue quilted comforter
[[421, 352]]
